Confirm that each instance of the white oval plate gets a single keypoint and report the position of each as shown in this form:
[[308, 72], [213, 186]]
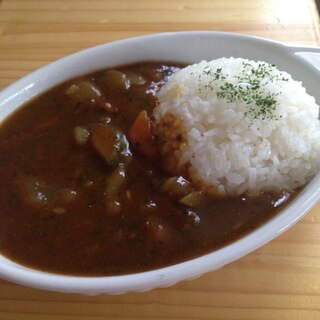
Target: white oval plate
[[187, 47]]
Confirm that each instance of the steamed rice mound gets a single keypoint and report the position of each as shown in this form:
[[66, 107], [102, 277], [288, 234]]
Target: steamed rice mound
[[237, 126]]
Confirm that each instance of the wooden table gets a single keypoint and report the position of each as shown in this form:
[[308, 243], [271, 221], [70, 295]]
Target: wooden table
[[280, 280]]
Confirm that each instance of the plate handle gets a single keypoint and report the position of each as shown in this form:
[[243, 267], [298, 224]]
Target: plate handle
[[310, 55]]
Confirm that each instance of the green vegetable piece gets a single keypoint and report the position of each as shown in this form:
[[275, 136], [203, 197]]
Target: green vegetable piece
[[81, 134], [115, 80], [39, 194], [113, 185], [83, 91], [108, 142], [194, 199], [115, 181], [135, 79], [177, 186]]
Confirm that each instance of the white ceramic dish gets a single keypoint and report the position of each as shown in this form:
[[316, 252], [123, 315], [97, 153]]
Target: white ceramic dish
[[188, 47]]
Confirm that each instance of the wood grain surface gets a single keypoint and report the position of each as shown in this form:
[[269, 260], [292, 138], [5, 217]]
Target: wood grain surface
[[280, 280]]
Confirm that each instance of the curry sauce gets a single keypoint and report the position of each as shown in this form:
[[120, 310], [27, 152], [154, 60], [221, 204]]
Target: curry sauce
[[81, 195]]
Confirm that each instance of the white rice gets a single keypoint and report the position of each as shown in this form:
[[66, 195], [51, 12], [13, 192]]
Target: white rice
[[228, 138]]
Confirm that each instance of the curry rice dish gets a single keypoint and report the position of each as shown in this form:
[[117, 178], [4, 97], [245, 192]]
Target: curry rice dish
[[91, 184]]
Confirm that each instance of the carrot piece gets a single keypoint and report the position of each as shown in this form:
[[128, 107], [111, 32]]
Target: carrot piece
[[141, 137]]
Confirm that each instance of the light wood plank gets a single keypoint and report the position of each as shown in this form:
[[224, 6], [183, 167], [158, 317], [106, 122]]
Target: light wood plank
[[280, 280]]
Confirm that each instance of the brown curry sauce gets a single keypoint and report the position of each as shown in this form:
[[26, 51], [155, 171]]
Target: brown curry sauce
[[53, 213]]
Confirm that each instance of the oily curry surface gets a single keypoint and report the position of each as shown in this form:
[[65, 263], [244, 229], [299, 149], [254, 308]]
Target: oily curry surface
[[81, 194]]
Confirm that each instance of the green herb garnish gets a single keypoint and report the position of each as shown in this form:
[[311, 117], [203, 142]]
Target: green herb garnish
[[249, 88]]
